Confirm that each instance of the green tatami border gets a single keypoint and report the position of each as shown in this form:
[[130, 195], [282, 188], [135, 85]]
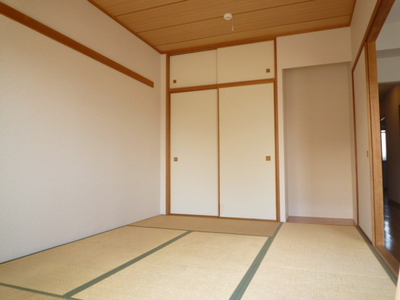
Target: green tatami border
[[205, 231], [244, 283], [121, 267], [378, 257], [36, 291]]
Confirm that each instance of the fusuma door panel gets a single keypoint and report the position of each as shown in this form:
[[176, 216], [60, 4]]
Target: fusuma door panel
[[246, 62], [193, 69], [247, 152], [194, 153]]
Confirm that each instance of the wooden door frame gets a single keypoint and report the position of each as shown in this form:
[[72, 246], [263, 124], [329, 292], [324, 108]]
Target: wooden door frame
[[378, 19]]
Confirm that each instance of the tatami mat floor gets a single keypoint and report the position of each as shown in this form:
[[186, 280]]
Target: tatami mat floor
[[174, 257]]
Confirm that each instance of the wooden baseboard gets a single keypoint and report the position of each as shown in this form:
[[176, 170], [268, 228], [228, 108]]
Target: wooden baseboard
[[323, 221], [394, 203], [219, 217], [392, 263]]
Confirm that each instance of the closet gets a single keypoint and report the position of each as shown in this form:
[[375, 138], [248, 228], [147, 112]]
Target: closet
[[222, 133]]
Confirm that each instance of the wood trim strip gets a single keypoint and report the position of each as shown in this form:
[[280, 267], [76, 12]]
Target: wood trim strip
[[227, 218], [379, 15], [321, 221], [375, 138], [219, 85], [355, 144], [59, 37], [276, 120], [391, 262], [168, 140], [219, 149]]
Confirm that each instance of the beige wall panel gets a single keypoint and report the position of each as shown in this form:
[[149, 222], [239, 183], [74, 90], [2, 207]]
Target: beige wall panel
[[246, 138], [362, 14], [314, 48], [246, 62], [362, 142], [306, 50], [318, 141], [193, 69], [79, 150], [194, 142]]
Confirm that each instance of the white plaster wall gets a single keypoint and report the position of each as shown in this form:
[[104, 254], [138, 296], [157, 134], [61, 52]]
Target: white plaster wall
[[303, 50], [388, 48], [389, 37], [80, 149], [318, 141], [388, 69], [83, 22], [362, 14], [315, 48]]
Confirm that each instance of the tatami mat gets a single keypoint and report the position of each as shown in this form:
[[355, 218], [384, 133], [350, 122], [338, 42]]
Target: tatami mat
[[197, 266], [209, 224], [302, 261], [320, 262], [64, 268], [8, 293]]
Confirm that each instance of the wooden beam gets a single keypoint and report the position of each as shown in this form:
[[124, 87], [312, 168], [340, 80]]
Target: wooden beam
[[220, 85], [59, 37]]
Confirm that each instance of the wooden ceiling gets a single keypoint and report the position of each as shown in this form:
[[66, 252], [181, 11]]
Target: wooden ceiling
[[173, 26]]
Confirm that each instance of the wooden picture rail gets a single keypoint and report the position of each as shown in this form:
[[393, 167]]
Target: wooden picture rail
[[59, 37]]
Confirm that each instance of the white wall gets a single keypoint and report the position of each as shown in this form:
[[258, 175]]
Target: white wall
[[388, 50], [362, 14], [83, 22], [80, 149], [389, 37], [318, 141], [315, 48], [304, 50], [389, 66]]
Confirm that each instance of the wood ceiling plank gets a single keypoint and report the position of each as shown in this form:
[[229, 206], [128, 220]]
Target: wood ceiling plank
[[170, 25], [255, 35], [304, 12], [121, 7], [195, 10]]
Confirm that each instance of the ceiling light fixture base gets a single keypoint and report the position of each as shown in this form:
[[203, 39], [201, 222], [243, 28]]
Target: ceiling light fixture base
[[228, 16]]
